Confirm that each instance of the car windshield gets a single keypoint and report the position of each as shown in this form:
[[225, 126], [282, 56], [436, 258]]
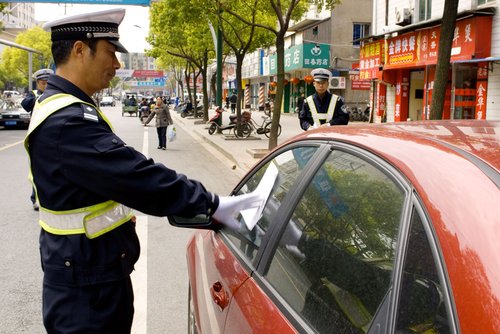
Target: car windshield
[[6, 106]]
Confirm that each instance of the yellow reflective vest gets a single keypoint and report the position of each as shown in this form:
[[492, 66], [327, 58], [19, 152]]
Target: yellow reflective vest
[[316, 116], [94, 220]]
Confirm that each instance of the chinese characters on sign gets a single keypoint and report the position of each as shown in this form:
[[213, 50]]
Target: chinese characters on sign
[[421, 48], [303, 56], [370, 59]]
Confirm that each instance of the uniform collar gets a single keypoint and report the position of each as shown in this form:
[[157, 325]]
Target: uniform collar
[[57, 84]]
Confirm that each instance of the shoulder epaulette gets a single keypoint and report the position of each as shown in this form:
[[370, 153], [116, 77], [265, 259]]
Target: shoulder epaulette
[[89, 113]]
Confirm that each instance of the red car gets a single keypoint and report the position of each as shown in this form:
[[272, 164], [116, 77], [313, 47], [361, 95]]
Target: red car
[[390, 228]]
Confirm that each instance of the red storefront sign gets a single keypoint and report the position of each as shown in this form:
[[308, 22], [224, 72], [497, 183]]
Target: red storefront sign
[[147, 74], [357, 84], [472, 39], [370, 59], [381, 102], [481, 91]]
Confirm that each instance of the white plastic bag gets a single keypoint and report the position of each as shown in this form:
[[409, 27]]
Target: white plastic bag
[[171, 133]]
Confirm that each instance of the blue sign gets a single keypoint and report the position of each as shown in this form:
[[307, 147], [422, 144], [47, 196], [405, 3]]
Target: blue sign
[[96, 2]]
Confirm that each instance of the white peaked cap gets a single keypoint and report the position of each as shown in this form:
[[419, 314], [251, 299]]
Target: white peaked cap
[[103, 24]]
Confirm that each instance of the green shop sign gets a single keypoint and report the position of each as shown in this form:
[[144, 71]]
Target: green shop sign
[[303, 56]]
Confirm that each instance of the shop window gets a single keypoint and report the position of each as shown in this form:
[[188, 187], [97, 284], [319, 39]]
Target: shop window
[[359, 31], [482, 2]]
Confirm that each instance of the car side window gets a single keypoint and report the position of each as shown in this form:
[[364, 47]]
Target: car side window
[[289, 165], [334, 261], [421, 306]]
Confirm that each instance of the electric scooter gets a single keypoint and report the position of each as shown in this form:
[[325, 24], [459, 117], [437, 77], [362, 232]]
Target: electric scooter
[[214, 125]]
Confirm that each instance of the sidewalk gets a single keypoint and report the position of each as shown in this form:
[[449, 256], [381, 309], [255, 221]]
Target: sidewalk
[[243, 153]]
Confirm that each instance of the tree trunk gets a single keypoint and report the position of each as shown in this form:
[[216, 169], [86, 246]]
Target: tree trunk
[[239, 66], [278, 100], [444, 55], [204, 71]]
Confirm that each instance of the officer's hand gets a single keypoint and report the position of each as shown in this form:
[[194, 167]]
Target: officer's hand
[[230, 207]]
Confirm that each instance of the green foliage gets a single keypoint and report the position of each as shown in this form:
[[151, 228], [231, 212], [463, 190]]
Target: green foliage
[[15, 65], [371, 218]]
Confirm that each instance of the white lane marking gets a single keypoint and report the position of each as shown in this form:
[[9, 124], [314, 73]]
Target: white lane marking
[[11, 145], [140, 275]]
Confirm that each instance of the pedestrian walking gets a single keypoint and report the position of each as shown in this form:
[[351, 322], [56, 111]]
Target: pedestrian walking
[[163, 120], [323, 107], [233, 100], [87, 181]]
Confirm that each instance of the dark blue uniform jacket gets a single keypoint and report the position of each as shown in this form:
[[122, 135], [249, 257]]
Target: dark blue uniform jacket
[[340, 115], [28, 103], [77, 163]]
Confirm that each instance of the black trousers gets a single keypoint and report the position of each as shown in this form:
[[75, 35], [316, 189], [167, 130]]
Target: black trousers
[[106, 308], [162, 136]]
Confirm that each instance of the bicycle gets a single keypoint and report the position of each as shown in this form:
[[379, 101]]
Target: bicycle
[[264, 128]]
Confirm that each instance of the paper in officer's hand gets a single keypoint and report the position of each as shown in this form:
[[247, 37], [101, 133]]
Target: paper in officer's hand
[[252, 215]]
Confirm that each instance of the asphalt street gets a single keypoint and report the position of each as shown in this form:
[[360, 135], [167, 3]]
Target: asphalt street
[[160, 278]]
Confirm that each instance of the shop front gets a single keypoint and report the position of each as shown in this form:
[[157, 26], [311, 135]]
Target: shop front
[[299, 61], [406, 80]]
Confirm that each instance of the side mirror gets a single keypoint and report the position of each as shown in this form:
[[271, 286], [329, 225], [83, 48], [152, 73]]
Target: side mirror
[[199, 221]]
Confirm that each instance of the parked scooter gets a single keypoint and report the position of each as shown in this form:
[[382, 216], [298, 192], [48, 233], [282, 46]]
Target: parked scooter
[[214, 122], [188, 110]]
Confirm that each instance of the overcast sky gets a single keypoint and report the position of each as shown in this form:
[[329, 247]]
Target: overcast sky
[[133, 29]]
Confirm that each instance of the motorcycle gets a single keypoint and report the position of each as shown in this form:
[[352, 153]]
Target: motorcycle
[[188, 110], [144, 112], [214, 122], [357, 114]]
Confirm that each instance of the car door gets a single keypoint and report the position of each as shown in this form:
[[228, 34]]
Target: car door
[[250, 310]]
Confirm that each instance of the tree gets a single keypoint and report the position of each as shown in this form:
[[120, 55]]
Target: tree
[[180, 28], [15, 65], [443, 61], [284, 11], [241, 37]]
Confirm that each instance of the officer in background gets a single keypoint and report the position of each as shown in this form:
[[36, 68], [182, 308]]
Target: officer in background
[[87, 180], [41, 77], [322, 107]]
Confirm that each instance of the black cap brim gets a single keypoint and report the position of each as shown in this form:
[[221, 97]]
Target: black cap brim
[[119, 46]]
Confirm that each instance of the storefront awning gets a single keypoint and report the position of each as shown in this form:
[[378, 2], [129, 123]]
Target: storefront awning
[[479, 60]]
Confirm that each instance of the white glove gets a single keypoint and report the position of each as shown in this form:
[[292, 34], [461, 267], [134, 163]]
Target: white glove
[[230, 206]]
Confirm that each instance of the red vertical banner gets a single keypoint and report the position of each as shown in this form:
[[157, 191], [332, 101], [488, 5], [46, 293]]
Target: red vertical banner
[[381, 102], [481, 90], [402, 91]]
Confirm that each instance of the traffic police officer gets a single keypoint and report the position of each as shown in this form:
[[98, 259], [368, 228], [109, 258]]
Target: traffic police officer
[[41, 77], [322, 107], [87, 179]]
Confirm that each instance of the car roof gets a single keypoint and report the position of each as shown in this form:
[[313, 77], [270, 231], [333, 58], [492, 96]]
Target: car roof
[[454, 168]]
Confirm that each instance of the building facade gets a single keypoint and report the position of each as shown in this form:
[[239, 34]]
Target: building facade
[[400, 57], [320, 39]]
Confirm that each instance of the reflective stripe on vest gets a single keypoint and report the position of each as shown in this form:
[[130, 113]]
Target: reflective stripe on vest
[[93, 220], [314, 111]]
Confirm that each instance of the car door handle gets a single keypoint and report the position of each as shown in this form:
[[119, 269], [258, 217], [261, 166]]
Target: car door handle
[[219, 295]]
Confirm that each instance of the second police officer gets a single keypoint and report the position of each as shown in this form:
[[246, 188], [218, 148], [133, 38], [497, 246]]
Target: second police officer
[[323, 107], [87, 180]]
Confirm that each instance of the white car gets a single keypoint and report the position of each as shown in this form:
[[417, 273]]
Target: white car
[[107, 101]]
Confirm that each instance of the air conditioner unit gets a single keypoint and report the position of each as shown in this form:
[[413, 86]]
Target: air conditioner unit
[[337, 83], [403, 16]]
